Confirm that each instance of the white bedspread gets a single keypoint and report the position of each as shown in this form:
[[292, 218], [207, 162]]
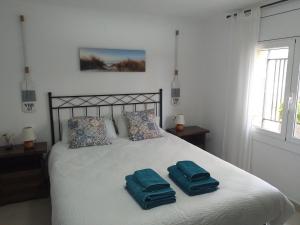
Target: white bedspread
[[87, 187]]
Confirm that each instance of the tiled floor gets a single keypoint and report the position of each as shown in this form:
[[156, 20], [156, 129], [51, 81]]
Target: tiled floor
[[295, 220], [35, 212], [38, 212]]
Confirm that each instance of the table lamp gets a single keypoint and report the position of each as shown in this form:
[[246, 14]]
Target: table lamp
[[28, 138], [179, 121]]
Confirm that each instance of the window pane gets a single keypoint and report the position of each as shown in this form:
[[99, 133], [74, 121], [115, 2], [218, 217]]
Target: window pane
[[270, 85], [278, 53]]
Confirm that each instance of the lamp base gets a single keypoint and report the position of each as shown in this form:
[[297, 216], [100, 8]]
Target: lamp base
[[179, 127], [28, 145]]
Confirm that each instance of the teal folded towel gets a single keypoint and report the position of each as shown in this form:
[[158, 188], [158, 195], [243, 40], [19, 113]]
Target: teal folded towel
[[195, 187], [151, 204], [132, 184], [150, 180], [148, 200], [192, 171]]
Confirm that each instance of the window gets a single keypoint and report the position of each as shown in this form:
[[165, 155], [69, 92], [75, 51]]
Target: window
[[274, 65], [270, 79], [275, 89]]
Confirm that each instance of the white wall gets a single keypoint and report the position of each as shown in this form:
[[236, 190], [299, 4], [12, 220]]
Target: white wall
[[273, 161], [213, 82], [54, 34]]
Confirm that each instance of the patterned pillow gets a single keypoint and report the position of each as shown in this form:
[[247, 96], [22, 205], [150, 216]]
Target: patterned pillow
[[87, 131], [142, 125]]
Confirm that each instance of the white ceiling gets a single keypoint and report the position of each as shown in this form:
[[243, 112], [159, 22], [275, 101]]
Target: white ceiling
[[193, 8]]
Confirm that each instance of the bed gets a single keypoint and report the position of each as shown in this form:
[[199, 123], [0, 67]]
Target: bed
[[87, 184]]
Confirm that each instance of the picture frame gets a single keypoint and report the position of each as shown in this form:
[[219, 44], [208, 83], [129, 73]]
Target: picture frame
[[112, 60]]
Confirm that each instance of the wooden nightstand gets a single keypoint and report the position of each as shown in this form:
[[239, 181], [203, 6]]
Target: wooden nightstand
[[193, 134], [23, 174]]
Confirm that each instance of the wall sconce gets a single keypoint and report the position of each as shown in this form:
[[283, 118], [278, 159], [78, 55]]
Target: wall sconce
[[175, 86], [27, 87]]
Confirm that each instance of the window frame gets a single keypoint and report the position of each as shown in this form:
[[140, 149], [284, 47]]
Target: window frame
[[273, 44], [293, 96]]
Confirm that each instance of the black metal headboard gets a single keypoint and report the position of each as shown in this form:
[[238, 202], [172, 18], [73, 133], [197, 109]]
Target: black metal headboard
[[84, 104]]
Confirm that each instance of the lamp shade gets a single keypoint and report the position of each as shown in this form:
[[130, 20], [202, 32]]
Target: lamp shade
[[179, 119], [28, 134]]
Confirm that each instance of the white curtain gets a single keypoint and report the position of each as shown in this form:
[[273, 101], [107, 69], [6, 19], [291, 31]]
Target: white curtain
[[244, 31]]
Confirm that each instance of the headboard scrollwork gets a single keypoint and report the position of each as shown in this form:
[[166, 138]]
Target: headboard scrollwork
[[64, 107]]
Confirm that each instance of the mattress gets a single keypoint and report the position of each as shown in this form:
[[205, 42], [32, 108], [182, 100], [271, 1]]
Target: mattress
[[87, 187]]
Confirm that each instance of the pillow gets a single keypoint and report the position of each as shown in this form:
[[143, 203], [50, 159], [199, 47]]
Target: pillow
[[65, 132], [110, 128], [142, 125], [122, 126], [87, 131]]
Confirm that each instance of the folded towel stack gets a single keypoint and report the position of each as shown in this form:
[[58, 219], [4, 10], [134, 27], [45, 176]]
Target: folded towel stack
[[191, 178], [149, 189]]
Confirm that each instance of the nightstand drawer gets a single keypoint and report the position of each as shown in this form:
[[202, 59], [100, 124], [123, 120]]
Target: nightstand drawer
[[21, 177], [192, 134], [23, 185], [20, 163], [29, 186], [195, 140]]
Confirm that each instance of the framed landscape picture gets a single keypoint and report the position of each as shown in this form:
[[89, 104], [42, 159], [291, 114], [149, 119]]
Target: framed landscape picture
[[112, 60]]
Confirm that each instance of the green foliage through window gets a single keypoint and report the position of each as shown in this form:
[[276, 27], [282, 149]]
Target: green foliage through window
[[298, 113], [280, 110]]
